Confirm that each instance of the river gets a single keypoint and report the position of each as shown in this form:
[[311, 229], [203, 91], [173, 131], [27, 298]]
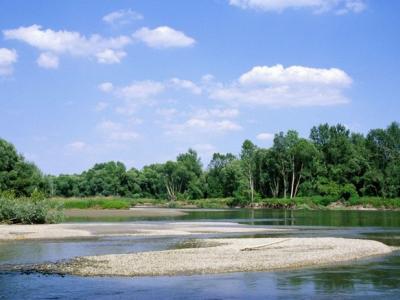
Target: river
[[370, 278]]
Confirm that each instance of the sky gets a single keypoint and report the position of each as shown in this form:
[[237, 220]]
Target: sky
[[83, 82]]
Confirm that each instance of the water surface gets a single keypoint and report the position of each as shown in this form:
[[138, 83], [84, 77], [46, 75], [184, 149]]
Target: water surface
[[377, 277]]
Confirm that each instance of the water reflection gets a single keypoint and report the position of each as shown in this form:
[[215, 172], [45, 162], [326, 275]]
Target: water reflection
[[343, 218], [377, 277]]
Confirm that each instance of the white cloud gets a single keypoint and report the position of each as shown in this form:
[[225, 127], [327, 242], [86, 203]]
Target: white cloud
[[137, 94], [218, 126], [117, 132], [105, 50], [163, 37], [185, 84], [265, 136], [216, 113], [109, 56], [141, 89], [278, 75], [317, 6], [286, 87], [122, 17], [7, 58], [194, 126], [48, 60], [77, 146], [106, 87]]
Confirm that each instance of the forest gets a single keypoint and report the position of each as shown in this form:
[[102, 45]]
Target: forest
[[332, 161]]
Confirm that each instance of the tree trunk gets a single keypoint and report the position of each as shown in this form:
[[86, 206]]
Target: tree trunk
[[251, 184], [298, 181], [293, 179], [283, 173], [275, 188]]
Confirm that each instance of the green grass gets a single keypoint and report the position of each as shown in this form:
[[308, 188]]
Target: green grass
[[313, 202], [322, 202], [96, 203], [393, 203]]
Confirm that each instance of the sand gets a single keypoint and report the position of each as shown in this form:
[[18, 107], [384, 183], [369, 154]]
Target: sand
[[132, 212], [87, 230], [224, 256]]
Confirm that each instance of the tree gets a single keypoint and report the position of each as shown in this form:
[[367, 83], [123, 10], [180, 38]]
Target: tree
[[220, 177], [16, 174], [247, 158]]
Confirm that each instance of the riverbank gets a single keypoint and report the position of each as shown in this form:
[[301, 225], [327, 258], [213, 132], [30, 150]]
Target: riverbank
[[311, 203], [213, 256], [132, 212], [93, 230]]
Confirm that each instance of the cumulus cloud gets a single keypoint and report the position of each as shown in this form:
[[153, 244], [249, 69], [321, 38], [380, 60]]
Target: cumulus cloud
[[141, 90], [208, 121], [265, 136], [7, 58], [116, 132], [137, 94], [106, 87], [279, 75], [198, 125], [186, 85], [294, 86], [109, 56], [163, 37], [122, 17], [104, 50], [317, 6], [47, 60]]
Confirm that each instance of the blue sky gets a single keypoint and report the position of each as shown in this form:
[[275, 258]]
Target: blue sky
[[141, 81]]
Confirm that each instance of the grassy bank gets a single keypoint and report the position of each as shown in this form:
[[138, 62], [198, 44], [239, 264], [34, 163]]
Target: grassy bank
[[126, 203], [315, 202], [29, 210]]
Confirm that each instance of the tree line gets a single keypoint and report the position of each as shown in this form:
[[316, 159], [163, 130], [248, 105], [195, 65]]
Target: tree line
[[332, 162]]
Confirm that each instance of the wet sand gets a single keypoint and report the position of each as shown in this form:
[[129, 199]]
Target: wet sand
[[132, 212], [224, 256], [87, 230]]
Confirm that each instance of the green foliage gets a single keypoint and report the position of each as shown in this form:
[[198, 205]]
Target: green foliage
[[16, 174], [34, 210], [348, 191], [333, 162], [100, 203], [375, 202]]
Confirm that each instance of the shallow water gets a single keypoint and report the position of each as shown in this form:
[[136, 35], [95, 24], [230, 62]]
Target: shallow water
[[377, 277], [274, 217]]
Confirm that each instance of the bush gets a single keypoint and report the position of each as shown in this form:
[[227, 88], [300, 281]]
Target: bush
[[348, 191], [328, 189], [33, 210]]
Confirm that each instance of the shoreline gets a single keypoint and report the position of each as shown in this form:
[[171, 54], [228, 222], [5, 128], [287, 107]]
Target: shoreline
[[132, 212], [93, 230], [217, 256]]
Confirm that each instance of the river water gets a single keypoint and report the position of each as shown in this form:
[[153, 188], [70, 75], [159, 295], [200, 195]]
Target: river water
[[370, 278]]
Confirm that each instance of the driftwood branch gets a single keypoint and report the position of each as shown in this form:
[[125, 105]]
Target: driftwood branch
[[263, 246]]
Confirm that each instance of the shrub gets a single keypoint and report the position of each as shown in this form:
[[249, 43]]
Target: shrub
[[348, 191], [33, 210]]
